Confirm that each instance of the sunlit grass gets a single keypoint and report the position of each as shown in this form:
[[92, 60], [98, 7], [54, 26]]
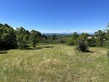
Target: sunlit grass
[[54, 63]]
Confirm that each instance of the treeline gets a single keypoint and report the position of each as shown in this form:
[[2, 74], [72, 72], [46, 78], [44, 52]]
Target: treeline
[[99, 38], [20, 38]]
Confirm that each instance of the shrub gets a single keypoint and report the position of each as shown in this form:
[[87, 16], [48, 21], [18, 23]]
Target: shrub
[[107, 44], [91, 42], [70, 41], [82, 46]]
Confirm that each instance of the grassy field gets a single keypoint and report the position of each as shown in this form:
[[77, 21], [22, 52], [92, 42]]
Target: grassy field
[[54, 63]]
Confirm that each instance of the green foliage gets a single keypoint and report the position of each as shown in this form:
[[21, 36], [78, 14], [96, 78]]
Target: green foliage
[[83, 37], [107, 36], [75, 35], [82, 46], [18, 38], [107, 44], [7, 37], [62, 40], [22, 37], [34, 37], [91, 41], [54, 37], [70, 41], [100, 37], [43, 39]]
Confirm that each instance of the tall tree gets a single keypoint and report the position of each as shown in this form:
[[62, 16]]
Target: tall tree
[[34, 37], [21, 37], [106, 31], [7, 37], [100, 37], [75, 37]]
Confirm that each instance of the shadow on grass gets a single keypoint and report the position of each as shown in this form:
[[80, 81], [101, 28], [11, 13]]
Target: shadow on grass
[[88, 51], [39, 47], [3, 52], [48, 46]]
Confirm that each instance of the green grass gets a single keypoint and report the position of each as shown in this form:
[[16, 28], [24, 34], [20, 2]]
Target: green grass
[[54, 63]]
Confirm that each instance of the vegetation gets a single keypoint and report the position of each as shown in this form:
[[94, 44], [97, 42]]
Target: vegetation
[[18, 38], [34, 37], [73, 39], [81, 46], [54, 63], [7, 37], [44, 59], [21, 38]]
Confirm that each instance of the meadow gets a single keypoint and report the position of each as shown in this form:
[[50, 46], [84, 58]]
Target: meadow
[[54, 63]]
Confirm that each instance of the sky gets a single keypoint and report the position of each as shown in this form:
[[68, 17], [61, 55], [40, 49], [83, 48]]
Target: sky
[[56, 16]]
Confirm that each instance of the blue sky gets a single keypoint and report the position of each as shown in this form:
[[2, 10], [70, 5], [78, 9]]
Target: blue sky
[[56, 16]]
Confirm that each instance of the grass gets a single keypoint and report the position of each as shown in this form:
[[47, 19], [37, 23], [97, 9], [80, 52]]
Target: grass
[[54, 63]]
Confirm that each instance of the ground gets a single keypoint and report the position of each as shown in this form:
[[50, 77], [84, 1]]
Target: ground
[[54, 63]]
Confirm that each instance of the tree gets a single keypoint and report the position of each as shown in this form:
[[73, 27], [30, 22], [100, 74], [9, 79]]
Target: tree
[[75, 37], [34, 37], [106, 39], [44, 39], [7, 37], [72, 40], [54, 37], [91, 41], [22, 37], [83, 37], [100, 37]]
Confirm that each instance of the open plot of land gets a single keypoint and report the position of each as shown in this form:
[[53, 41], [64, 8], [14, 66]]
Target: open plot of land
[[54, 63]]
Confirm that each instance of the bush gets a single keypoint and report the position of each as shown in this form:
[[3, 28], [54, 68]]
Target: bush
[[70, 41], [82, 46], [91, 42], [107, 44]]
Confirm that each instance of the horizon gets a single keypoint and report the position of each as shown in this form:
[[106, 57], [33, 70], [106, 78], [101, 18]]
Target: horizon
[[67, 32], [56, 16]]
